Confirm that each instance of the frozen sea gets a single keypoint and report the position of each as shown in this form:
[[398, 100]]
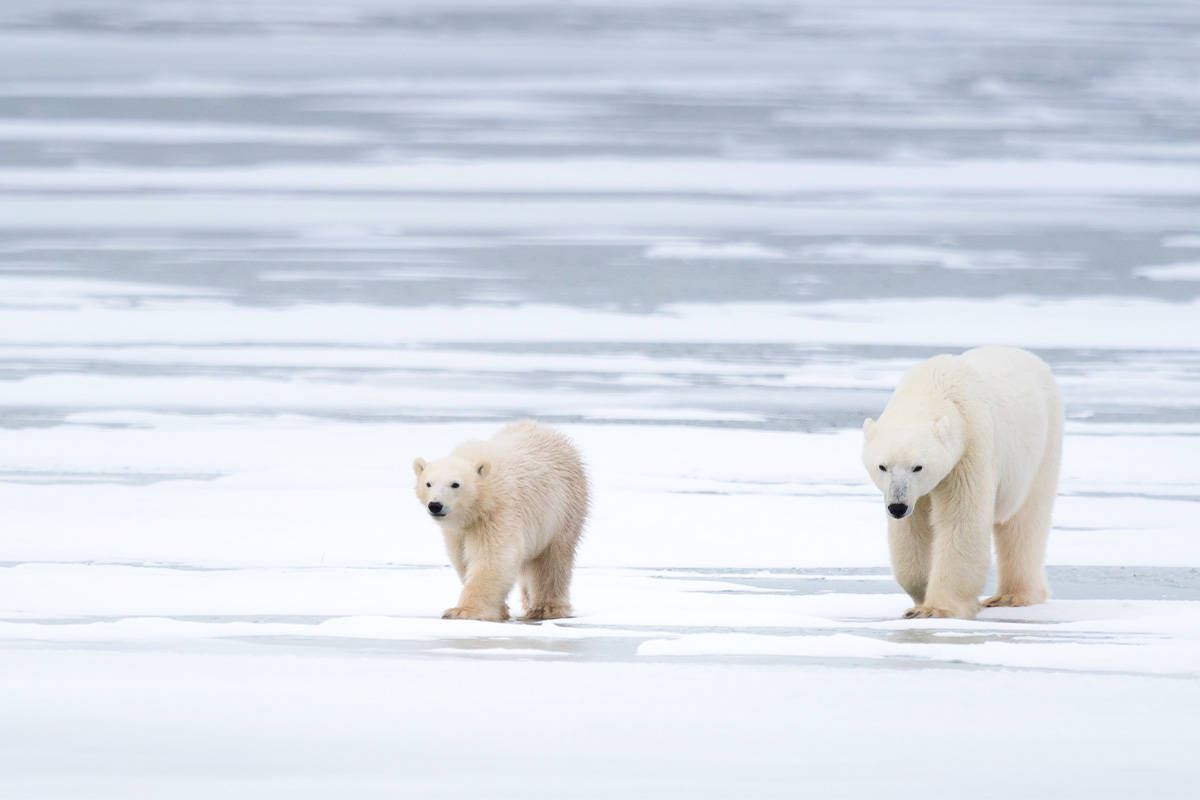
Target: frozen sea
[[256, 256]]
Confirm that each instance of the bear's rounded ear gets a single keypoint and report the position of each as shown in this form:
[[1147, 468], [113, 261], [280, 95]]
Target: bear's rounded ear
[[483, 468], [944, 428], [419, 466], [868, 426]]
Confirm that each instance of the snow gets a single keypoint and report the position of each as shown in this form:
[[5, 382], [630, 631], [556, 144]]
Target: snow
[[853, 252], [737, 251], [1133, 323], [600, 176], [256, 257], [99, 130], [1187, 271], [247, 210], [245, 724]]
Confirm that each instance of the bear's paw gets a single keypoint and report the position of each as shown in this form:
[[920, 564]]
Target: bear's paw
[[484, 614], [925, 612], [1013, 599], [549, 611]]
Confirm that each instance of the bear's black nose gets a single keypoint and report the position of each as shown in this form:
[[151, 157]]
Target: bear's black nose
[[435, 507], [897, 510]]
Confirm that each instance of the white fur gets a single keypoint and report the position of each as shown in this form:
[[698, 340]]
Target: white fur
[[511, 507], [985, 428]]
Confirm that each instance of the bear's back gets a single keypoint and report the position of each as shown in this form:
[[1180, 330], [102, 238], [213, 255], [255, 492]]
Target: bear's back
[[534, 459], [531, 440], [1012, 365]]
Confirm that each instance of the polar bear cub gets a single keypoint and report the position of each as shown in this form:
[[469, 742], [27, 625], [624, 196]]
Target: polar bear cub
[[511, 507], [968, 448]]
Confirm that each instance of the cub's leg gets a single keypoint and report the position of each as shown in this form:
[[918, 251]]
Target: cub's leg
[[454, 549], [546, 580], [909, 542], [491, 572]]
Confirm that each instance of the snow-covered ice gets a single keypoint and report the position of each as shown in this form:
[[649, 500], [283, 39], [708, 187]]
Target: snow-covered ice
[[255, 257]]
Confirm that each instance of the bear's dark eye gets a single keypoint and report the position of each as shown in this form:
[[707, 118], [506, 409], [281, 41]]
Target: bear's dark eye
[[918, 468], [882, 468], [427, 483], [454, 485]]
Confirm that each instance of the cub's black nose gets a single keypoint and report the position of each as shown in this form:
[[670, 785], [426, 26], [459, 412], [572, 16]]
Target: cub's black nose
[[435, 507], [897, 510]]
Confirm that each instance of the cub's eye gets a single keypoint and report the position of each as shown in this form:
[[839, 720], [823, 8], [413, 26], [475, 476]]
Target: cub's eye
[[454, 485], [918, 468], [427, 483], [882, 468]]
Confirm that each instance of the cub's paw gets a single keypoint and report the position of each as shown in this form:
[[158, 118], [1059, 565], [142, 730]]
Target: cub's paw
[[547, 612], [484, 614], [1015, 599]]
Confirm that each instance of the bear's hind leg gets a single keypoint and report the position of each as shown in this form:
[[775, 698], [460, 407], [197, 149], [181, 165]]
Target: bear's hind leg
[[1021, 551], [1021, 540], [546, 581]]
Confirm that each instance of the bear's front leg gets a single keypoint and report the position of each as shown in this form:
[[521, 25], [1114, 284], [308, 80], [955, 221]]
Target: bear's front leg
[[909, 543], [454, 549], [490, 575], [961, 552]]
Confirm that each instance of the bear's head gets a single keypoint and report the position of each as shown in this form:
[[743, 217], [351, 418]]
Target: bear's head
[[449, 487], [907, 458]]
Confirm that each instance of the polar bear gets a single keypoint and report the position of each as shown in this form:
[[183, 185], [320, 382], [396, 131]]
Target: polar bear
[[968, 445], [510, 507]]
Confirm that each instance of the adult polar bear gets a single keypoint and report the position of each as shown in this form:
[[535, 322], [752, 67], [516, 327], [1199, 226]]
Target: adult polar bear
[[969, 445]]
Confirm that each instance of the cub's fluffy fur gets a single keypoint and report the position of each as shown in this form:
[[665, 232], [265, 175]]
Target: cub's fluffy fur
[[510, 508]]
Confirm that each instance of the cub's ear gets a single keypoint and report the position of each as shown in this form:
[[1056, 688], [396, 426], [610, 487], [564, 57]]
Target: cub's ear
[[483, 469], [419, 466], [868, 427], [944, 428]]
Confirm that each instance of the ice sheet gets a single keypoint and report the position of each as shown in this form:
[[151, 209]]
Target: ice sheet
[[255, 257]]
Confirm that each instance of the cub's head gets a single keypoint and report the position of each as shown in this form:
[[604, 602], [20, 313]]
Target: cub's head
[[449, 487], [908, 460]]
